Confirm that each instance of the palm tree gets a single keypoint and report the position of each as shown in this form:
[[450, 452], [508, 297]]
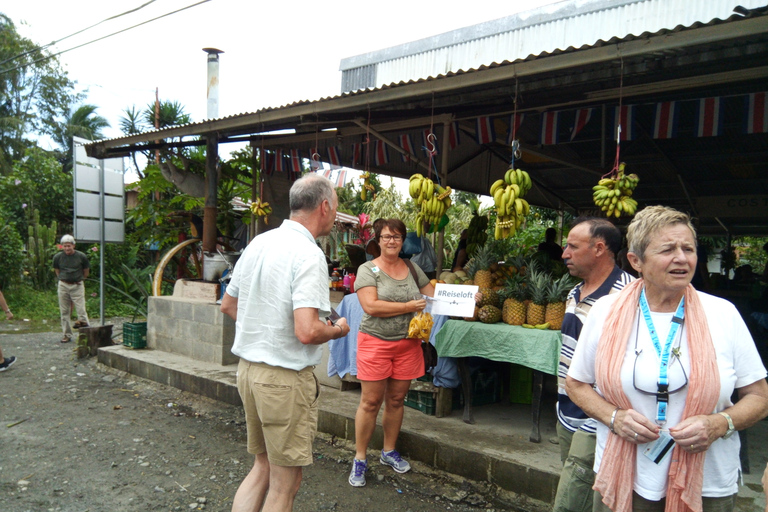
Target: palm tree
[[81, 122]]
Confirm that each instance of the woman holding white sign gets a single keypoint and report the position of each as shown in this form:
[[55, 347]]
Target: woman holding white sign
[[390, 290]]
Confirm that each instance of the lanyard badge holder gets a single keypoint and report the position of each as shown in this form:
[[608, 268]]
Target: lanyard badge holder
[[657, 450]]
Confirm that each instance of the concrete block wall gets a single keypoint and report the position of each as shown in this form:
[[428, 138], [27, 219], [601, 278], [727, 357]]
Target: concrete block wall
[[194, 328]]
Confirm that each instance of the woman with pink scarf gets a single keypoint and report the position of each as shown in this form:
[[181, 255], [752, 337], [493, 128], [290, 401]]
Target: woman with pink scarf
[[657, 365]]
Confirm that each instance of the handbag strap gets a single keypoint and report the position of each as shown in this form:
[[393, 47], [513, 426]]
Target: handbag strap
[[409, 263]]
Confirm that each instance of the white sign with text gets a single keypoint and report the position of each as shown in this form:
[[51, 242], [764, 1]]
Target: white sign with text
[[454, 300]]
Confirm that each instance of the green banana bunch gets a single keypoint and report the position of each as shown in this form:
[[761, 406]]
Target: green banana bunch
[[614, 195], [476, 233], [511, 208], [432, 199]]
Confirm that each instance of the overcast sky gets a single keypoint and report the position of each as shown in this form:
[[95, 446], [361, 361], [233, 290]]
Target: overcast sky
[[275, 52]]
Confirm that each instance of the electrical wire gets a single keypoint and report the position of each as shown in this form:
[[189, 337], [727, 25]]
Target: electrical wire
[[9, 70]]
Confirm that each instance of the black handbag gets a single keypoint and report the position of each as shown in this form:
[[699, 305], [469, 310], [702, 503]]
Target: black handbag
[[430, 355], [427, 349]]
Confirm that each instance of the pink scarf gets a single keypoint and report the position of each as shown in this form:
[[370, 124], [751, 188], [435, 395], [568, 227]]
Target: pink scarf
[[615, 480]]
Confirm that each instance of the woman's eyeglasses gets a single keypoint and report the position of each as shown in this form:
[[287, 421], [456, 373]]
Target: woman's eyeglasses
[[675, 356], [387, 238]]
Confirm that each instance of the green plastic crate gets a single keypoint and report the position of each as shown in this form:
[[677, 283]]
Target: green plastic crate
[[520, 384], [486, 389], [135, 335], [424, 401]]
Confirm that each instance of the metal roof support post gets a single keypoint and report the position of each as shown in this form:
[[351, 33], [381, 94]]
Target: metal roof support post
[[444, 181], [211, 192]]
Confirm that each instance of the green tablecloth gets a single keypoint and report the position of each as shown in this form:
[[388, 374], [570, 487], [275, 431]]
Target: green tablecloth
[[533, 348]]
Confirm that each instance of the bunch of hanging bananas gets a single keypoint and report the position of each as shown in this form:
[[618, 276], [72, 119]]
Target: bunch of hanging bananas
[[261, 210], [511, 208], [476, 233], [614, 195], [367, 187], [420, 326], [432, 199]]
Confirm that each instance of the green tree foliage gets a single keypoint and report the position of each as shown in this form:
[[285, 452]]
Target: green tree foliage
[[41, 246], [81, 122], [35, 94], [11, 247], [36, 183]]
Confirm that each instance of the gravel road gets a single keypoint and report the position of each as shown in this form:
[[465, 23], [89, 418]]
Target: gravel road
[[78, 436]]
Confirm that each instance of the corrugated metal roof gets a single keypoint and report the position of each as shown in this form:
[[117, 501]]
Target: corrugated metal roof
[[568, 24], [253, 117]]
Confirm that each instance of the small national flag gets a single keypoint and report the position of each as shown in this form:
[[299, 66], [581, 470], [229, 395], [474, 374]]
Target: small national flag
[[583, 115], [381, 156], [333, 157], [709, 121], [515, 120], [757, 113], [295, 161], [549, 127], [453, 135], [485, 131], [430, 143], [357, 153], [279, 160], [268, 162], [341, 179], [314, 160], [625, 118], [406, 142], [665, 121]]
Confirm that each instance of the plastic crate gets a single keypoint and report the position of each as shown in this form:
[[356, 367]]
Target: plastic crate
[[520, 384], [424, 401], [486, 389], [135, 335]]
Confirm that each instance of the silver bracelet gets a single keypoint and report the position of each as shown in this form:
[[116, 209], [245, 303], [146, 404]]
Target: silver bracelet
[[613, 419]]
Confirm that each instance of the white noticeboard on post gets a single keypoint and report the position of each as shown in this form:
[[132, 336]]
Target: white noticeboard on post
[[98, 188]]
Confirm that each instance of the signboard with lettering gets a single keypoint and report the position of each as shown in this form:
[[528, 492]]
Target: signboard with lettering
[[453, 300], [732, 206]]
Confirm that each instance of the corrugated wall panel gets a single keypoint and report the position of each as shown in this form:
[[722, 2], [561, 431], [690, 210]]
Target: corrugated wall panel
[[560, 33]]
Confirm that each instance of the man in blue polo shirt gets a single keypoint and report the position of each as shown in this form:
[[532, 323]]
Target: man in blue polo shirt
[[590, 254]]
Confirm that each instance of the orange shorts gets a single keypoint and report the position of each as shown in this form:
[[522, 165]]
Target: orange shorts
[[379, 359]]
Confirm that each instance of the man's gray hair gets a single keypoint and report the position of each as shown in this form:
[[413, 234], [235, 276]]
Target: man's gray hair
[[67, 239], [309, 191]]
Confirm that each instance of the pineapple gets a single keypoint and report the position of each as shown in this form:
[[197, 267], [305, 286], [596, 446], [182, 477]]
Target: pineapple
[[557, 292], [513, 310], [478, 268], [490, 297], [537, 287], [489, 314]]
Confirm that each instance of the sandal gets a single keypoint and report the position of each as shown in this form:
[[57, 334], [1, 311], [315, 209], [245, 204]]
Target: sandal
[[66, 339]]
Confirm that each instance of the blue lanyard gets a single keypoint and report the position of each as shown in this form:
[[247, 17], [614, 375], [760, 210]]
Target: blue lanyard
[[662, 393]]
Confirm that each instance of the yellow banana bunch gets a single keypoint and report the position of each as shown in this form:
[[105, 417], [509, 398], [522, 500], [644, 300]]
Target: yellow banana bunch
[[367, 187], [614, 195], [511, 208], [261, 210], [421, 326], [432, 200]]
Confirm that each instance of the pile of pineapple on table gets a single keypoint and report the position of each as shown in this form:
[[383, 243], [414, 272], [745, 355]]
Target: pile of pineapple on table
[[519, 292]]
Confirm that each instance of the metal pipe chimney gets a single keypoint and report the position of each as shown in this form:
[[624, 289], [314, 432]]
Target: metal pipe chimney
[[213, 82]]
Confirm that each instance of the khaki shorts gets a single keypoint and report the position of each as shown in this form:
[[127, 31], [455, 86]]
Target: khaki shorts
[[280, 411]]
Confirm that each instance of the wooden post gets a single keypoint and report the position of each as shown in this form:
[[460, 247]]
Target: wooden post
[[89, 340]]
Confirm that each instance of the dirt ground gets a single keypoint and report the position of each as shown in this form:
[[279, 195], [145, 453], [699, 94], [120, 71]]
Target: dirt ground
[[78, 436]]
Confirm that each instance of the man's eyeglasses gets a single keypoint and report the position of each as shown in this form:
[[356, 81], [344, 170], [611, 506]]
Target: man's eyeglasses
[[387, 238]]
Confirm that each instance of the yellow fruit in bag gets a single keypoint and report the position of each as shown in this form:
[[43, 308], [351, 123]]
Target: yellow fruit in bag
[[420, 326]]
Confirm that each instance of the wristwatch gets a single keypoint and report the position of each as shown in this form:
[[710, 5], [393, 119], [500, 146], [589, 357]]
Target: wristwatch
[[731, 428]]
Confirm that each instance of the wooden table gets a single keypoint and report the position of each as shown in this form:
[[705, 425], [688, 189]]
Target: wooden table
[[533, 348]]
